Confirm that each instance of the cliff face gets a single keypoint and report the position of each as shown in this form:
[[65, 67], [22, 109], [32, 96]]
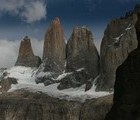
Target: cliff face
[[54, 54], [119, 40], [54, 47], [81, 52], [26, 56], [23, 105], [127, 93], [81, 58]]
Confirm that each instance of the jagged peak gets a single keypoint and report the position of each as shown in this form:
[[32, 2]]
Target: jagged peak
[[81, 29], [56, 21], [26, 38]]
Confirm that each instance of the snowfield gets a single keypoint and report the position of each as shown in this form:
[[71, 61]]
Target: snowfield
[[26, 80]]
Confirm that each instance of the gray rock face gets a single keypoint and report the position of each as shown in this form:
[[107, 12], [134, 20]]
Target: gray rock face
[[118, 41], [54, 47], [23, 105], [126, 91], [26, 56], [81, 53]]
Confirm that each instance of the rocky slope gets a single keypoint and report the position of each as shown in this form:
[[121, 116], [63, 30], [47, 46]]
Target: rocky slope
[[119, 40], [127, 93], [23, 105], [26, 56], [82, 54]]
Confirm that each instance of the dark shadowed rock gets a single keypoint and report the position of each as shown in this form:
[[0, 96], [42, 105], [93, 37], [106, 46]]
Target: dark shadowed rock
[[26, 56], [81, 53], [127, 93], [118, 41], [54, 47]]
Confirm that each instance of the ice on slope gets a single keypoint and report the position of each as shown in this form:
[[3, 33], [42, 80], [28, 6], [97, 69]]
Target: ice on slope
[[22, 74], [117, 39], [129, 27], [26, 80], [60, 77]]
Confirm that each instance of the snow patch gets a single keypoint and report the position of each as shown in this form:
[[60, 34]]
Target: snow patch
[[26, 80], [22, 74], [117, 38], [81, 69], [44, 74], [72, 94], [63, 75], [60, 77], [85, 27], [129, 27]]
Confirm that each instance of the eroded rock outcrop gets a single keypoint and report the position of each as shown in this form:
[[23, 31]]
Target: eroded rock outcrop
[[127, 93], [53, 54], [54, 48], [26, 56], [118, 41], [24, 105], [81, 53]]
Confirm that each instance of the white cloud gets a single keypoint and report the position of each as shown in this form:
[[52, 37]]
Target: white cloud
[[9, 51], [30, 11], [37, 46], [34, 12]]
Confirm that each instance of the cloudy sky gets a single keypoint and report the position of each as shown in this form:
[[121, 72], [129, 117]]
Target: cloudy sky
[[32, 17]]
